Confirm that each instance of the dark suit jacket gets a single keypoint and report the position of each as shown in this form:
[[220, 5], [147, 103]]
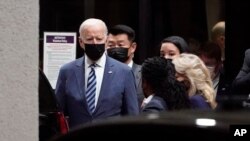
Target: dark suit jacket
[[156, 104], [198, 102], [117, 95], [137, 72], [241, 85]]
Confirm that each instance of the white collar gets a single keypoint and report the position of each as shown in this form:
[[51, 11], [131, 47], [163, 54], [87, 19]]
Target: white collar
[[100, 62], [148, 99], [130, 64]]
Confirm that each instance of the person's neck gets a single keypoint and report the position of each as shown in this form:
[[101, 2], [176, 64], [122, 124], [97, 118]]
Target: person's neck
[[128, 61]]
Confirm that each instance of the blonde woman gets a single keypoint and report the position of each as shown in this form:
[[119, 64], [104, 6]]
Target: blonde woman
[[194, 74]]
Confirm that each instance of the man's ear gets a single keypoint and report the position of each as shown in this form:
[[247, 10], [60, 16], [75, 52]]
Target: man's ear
[[106, 44], [81, 42], [133, 47]]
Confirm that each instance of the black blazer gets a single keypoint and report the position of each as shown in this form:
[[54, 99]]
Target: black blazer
[[156, 104]]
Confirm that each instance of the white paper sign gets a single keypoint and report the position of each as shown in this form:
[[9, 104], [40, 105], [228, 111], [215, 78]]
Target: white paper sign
[[58, 48]]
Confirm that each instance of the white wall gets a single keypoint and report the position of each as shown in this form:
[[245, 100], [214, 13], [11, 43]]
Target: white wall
[[19, 70]]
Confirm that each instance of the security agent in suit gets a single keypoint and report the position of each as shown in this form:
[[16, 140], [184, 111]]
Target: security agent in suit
[[241, 85], [111, 98], [121, 46]]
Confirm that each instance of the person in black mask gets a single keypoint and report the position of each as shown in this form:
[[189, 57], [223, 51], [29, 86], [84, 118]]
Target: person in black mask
[[121, 46], [87, 88], [120, 43]]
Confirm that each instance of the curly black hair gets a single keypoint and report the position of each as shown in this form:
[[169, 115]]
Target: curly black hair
[[160, 75]]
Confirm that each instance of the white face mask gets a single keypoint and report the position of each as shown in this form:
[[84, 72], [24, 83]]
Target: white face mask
[[211, 70]]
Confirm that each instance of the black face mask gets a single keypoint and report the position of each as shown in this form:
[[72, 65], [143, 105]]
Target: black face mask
[[118, 53], [94, 51]]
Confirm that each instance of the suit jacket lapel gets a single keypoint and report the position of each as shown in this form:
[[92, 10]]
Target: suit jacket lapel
[[80, 77], [107, 77], [137, 73]]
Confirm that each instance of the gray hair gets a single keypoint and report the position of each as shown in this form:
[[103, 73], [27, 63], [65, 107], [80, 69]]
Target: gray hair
[[218, 30], [91, 22]]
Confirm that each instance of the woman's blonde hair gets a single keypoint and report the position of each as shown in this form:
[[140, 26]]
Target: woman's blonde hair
[[193, 68]]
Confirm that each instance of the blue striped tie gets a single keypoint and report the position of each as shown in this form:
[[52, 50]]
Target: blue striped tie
[[91, 89]]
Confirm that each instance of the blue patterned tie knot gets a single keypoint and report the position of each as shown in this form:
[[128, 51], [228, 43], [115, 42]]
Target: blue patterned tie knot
[[91, 89]]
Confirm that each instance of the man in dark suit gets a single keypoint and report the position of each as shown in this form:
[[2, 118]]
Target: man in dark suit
[[121, 46], [87, 88], [241, 85]]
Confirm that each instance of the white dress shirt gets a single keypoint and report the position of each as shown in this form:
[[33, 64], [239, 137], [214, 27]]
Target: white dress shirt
[[147, 100], [130, 64], [99, 72]]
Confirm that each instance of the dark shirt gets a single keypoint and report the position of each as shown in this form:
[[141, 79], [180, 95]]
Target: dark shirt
[[198, 102]]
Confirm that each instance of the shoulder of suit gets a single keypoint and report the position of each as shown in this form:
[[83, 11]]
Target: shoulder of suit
[[156, 100], [247, 53], [247, 58], [73, 63], [117, 63], [136, 67]]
